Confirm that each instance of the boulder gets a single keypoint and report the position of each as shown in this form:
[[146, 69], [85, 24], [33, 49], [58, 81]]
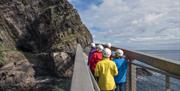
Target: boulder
[[63, 65], [17, 74]]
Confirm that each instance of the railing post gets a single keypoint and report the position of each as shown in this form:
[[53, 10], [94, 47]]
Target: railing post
[[131, 80], [167, 84], [128, 84], [133, 77]]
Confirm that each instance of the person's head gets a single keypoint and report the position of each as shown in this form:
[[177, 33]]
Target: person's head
[[106, 53], [99, 48], [108, 45], [93, 45], [119, 53]]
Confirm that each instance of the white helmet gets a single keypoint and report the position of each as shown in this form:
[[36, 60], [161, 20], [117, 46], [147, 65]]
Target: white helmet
[[120, 52], [100, 47], [107, 52], [108, 45], [93, 45]]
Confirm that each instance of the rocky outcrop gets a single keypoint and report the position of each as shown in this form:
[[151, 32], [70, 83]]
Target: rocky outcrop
[[61, 67], [17, 74], [43, 25], [41, 36]]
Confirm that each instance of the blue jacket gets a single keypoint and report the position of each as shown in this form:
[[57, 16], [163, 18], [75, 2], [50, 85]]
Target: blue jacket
[[121, 64]]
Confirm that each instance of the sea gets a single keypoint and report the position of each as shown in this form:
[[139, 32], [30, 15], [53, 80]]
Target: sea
[[156, 82], [169, 54]]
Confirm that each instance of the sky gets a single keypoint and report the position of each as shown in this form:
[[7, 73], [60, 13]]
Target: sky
[[132, 24]]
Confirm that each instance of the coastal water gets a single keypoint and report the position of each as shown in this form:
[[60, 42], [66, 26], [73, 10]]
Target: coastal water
[[47, 83], [169, 54], [156, 82]]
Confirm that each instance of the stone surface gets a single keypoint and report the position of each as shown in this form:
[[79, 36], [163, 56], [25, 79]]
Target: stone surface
[[42, 25], [17, 74], [61, 61], [38, 38]]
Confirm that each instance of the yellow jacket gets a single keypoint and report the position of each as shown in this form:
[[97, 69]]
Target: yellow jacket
[[105, 71]]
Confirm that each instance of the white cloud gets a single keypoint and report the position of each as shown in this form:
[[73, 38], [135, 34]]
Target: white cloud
[[153, 39], [135, 22], [151, 18]]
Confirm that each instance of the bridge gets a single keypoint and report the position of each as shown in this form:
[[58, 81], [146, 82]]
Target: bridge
[[165, 77]]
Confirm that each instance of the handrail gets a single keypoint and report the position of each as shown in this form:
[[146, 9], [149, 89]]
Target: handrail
[[168, 65], [96, 87], [154, 69], [81, 80]]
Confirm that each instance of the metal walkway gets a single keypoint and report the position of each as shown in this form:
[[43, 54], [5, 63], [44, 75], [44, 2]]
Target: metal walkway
[[82, 79], [168, 71]]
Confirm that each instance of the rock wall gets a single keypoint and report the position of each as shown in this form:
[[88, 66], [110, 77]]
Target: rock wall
[[17, 74], [43, 25], [40, 37]]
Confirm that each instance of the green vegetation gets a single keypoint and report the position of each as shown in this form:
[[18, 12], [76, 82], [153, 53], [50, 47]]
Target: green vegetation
[[69, 38], [1, 59], [24, 2], [1, 54], [4, 48], [61, 44], [28, 55]]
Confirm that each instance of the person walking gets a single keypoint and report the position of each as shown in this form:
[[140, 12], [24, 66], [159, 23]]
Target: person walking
[[93, 49], [108, 45], [96, 57], [121, 64], [105, 72]]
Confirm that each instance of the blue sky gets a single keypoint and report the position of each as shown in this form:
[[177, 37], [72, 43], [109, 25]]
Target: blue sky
[[133, 24]]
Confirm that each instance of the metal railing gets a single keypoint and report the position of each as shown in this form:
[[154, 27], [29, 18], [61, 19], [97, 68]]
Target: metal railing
[[82, 79], [148, 78], [165, 72]]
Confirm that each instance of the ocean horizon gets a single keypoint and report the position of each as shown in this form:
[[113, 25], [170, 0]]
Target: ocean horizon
[[169, 54]]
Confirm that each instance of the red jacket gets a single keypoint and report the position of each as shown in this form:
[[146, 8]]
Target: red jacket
[[95, 58]]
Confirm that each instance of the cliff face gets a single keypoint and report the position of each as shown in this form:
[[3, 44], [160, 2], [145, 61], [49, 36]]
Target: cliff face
[[38, 38], [42, 25]]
